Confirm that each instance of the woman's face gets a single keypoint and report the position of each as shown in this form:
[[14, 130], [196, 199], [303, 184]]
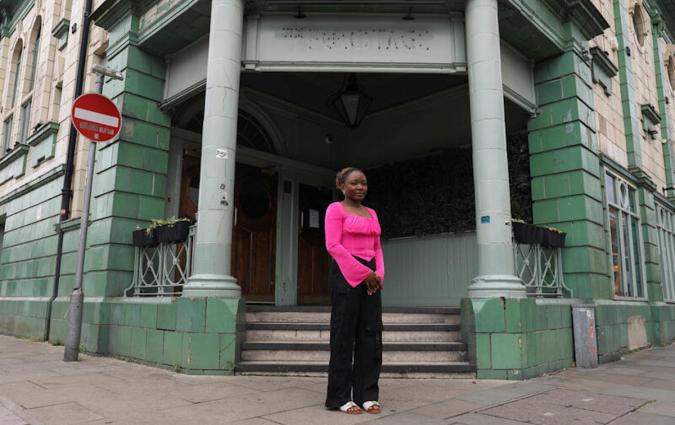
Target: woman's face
[[356, 186]]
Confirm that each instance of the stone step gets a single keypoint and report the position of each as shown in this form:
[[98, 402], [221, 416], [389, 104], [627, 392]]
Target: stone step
[[324, 356], [324, 317], [391, 327], [320, 351], [321, 331], [325, 346], [393, 370], [326, 308]]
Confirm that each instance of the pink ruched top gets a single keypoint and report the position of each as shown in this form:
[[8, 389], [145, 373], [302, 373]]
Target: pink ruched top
[[349, 235]]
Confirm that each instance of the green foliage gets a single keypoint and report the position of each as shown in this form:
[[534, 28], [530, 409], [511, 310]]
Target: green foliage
[[435, 194], [157, 222], [519, 177], [424, 196]]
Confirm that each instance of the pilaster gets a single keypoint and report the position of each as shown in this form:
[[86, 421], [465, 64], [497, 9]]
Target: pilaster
[[565, 169]]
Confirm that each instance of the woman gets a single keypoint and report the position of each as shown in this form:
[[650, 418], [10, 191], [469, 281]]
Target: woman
[[356, 276]]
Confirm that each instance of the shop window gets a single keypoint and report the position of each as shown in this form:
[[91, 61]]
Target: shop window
[[640, 24], [625, 238], [665, 217]]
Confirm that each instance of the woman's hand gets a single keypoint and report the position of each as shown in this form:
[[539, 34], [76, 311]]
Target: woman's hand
[[372, 283]]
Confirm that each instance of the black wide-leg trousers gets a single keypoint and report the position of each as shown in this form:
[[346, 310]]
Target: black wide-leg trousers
[[355, 333]]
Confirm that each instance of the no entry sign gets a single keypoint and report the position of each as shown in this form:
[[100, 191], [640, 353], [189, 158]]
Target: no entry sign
[[96, 117]]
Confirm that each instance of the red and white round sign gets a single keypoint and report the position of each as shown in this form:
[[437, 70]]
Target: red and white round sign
[[96, 117]]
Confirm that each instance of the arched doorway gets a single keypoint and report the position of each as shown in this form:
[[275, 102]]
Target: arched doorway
[[255, 199]]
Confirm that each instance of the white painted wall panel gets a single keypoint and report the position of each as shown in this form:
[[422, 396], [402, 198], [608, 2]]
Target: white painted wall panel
[[187, 68], [517, 77], [429, 271]]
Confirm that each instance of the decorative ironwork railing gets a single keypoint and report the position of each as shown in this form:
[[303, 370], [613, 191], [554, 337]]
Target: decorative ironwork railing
[[163, 269], [541, 270]]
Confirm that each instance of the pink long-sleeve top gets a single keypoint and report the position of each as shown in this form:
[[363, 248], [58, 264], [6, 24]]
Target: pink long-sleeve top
[[349, 235]]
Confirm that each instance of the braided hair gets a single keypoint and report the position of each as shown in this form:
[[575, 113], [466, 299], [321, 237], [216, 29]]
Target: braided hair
[[342, 175]]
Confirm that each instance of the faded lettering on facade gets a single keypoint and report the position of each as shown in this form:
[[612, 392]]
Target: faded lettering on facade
[[381, 39]]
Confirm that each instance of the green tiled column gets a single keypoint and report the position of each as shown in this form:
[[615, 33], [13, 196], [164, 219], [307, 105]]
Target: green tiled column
[[130, 181], [661, 84], [650, 238], [565, 169]]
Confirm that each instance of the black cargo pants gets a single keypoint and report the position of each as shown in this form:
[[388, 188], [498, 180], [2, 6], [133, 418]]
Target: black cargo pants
[[355, 333]]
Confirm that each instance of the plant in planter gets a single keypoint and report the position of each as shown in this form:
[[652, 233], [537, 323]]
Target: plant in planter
[[553, 238], [144, 237], [171, 230]]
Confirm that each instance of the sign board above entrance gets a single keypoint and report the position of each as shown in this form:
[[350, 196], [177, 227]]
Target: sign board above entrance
[[342, 43]]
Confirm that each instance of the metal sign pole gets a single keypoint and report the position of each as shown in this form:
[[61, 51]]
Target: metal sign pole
[[73, 332]]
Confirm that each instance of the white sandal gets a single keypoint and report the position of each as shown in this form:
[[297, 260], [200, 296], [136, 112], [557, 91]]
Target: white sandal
[[367, 405], [350, 405]]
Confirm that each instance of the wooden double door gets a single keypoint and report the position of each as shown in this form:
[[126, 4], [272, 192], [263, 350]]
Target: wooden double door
[[254, 237], [254, 233], [313, 260]]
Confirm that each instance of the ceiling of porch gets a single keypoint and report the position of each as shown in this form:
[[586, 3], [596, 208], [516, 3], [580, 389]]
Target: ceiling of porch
[[413, 115], [312, 90]]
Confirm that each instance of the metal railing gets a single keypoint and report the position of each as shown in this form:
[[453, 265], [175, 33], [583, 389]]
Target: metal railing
[[163, 269], [541, 270]]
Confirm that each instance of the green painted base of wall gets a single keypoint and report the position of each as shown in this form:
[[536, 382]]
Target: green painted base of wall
[[619, 326], [516, 338], [524, 338], [199, 336], [24, 317]]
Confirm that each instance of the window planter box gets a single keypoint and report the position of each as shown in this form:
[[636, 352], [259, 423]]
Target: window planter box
[[176, 232], [553, 239], [142, 238], [528, 233]]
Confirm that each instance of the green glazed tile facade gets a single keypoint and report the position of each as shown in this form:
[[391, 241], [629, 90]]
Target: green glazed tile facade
[[565, 169], [507, 338]]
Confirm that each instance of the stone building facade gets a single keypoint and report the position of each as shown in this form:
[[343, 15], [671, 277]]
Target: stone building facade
[[228, 119]]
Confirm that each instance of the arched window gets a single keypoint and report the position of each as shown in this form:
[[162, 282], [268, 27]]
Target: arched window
[[670, 66], [15, 68], [640, 24], [35, 49], [250, 133]]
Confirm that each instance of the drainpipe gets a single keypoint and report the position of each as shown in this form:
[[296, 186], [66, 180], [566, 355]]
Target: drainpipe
[[66, 191]]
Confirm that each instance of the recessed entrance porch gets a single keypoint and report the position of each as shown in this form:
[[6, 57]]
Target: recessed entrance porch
[[415, 146]]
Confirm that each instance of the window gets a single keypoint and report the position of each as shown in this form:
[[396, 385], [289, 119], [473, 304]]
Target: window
[[6, 136], [670, 67], [625, 238], [25, 121], [665, 218], [34, 59], [639, 24]]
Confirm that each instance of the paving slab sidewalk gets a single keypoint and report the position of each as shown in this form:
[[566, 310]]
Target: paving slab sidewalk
[[37, 388]]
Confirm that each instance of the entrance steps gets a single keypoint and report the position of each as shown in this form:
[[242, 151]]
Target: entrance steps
[[294, 341]]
